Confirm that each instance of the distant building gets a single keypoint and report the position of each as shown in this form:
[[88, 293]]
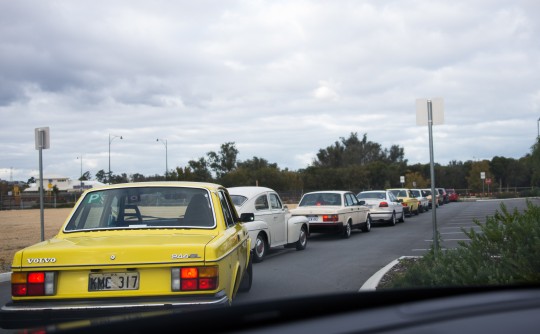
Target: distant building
[[63, 184]]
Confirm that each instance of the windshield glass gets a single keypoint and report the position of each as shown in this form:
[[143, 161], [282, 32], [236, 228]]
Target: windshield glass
[[143, 207], [399, 193], [238, 200], [318, 199], [236, 133], [375, 195]]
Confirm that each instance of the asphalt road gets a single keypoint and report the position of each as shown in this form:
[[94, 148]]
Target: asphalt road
[[331, 264]]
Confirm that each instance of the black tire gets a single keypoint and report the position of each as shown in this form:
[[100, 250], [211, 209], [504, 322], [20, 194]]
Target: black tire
[[302, 239], [402, 218], [417, 211], [367, 225], [261, 246], [247, 280], [392, 220], [347, 230]]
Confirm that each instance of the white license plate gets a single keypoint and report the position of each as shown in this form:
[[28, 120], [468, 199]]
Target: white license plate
[[113, 281], [312, 218]]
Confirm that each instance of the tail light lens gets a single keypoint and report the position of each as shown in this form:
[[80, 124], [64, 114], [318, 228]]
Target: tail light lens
[[330, 218], [404, 204], [35, 283], [194, 278], [383, 205]]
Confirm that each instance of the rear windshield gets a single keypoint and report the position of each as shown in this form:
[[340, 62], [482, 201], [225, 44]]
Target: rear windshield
[[143, 207], [321, 199], [399, 193], [376, 195]]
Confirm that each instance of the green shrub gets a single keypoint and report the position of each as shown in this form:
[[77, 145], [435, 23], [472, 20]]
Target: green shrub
[[505, 251]]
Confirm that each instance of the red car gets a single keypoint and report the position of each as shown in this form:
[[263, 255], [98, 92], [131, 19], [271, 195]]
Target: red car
[[452, 195]]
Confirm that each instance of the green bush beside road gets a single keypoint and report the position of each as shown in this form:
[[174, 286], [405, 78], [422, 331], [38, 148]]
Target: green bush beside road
[[505, 251]]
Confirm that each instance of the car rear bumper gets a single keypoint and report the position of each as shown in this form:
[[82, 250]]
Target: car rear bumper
[[325, 227], [383, 215], [22, 314]]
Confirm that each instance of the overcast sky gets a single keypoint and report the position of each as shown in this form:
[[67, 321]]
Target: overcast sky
[[281, 79]]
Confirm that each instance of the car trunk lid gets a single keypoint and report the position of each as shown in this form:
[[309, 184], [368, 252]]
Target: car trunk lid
[[114, 250]]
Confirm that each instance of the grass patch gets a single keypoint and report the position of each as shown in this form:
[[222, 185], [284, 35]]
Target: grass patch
[[506, 251]]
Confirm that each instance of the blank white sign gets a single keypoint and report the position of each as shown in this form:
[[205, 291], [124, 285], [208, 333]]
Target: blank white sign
[[437, 111]]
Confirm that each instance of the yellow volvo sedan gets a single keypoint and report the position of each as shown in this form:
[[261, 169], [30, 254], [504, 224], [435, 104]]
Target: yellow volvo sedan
[[137, 246]]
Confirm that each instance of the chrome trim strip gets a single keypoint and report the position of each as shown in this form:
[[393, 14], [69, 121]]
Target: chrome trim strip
[[113, 305]]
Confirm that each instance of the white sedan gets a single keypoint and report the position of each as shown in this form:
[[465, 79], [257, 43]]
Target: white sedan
[[383, 205], [421, 195], [334, 211], [273, 225]]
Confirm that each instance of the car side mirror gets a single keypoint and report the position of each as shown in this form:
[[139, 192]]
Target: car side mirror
[[247, 217], [362, 202], [400, 200]]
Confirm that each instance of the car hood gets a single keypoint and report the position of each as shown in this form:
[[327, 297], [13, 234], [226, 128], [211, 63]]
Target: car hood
[[114, 250]]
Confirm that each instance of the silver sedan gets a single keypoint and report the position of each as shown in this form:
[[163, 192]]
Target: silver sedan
[[383, 205]]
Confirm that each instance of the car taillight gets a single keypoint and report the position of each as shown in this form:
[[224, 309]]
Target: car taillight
[[194, 278], [330, 218], [403, 203], [383, 205], [35, 283]]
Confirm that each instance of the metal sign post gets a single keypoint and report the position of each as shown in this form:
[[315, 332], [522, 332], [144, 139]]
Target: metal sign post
[[425, 108], [483, 177], [42, 139]]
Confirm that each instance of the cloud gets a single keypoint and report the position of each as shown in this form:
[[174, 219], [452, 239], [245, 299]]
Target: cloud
[[281, 79], [327, 91]]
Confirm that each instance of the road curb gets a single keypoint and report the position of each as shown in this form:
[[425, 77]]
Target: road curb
[[372, 283]]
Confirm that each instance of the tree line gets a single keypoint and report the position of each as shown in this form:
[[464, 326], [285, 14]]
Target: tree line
[[351, 163]]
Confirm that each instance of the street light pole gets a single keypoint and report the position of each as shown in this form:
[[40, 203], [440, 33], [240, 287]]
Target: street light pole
[[110, 141], [164, 141], [538, 125]]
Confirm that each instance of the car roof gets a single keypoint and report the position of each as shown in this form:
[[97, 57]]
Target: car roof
[[329, 192], [184, 184], [249, 191]]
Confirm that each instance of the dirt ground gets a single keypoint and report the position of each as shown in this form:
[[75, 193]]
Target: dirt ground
[[22, 228]]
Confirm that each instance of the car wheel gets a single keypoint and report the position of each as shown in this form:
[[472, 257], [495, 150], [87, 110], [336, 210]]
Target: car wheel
[[420, 208], [393, 219], [367, 225], [247, 280], [260, 248], [417, 211], [402, 218], [347, 230], [302, 239]]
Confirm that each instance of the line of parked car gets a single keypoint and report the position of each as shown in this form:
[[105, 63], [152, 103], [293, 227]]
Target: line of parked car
[[324, 212]]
